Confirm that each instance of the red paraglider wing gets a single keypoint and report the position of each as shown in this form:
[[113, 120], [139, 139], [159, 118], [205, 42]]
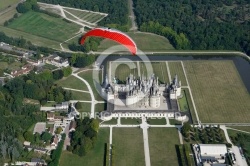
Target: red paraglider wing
[[112, 35]]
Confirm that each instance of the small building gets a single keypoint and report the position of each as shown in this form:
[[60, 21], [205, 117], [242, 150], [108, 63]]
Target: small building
[[57, 61], [50, 116], [72, 126], [211, 153], [24, 70], [62, 106], [26, 143], [56, 140]]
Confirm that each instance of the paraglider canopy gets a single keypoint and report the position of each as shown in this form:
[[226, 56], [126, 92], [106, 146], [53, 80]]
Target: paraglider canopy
[[114, 35]]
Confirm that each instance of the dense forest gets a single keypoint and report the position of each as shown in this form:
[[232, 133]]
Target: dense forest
[[19, 111], [207, 24], [84, 137], [117, 10]]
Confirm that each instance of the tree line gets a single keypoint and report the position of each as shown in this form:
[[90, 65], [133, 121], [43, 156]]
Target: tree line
[[84, 137], [208, 25]]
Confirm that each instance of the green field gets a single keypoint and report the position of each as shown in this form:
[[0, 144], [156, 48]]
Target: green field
[[85, 107], [6, 4], [7, 15], [110, 122], [160, 70], [132, 121], [122, 70], [190, 105], [219, 93], [46, 26], [99, 107], [144, 42], [128, 147], [162, 142], [183, 103], [87, 75], [72, 82], [94, 158], [80, 96], [156, 121], [176, 68], [243, 128]]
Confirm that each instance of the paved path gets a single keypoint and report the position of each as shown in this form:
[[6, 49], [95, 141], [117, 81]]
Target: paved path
[[110, 145], [77, 90], [144, 127], [139, 69], [191, 95], [93, 101], [180, 135]]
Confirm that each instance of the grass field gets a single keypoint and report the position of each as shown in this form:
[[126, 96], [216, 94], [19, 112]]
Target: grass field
[[85, 107], [190, 105], [94, 158], [100, 107], [219, 93], [80, 96], [72, 82], [43, 25], [160, 70], [6, 4], [132, 121], [122, 71], [112, 121], [176, 68], [156, 121], [128, 147], [183, 103], [87, 75], [7, 15], [243, 128], [144, 42], [162, 143]]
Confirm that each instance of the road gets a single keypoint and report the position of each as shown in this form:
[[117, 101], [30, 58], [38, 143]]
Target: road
[[144, 127], [93, 101], [132, 16]]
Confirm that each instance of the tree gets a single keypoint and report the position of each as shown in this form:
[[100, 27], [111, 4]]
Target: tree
[[58, 130], [95, 124], [57, 74], [67, 71], [46, 136], [28, 136], [78, 105]]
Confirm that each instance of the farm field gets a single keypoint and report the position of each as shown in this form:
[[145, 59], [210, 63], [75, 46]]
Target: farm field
[[8, 14], [128, 147], [176, 68], [95, 157], [43, 25], [144, 42], [162, 142], [6, 4], [219, 93], [72, 82]]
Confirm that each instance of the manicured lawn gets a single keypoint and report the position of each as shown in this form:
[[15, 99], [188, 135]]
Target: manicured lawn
[[100, 107], [176, 68], [72, 82], [160, 71], [132, 121], [111, 122], [155, 121], [80, 96], [243, 128], [128, 147], [190, 105], [87, 75], [6, 4], [162, 142], [183, 103], [219, 93], [144, 42], [86, 107], [94, 158], [123, 70], [43, 25]]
